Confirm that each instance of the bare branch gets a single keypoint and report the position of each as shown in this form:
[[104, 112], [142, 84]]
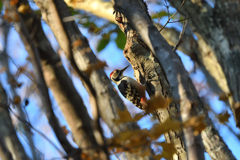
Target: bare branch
[[34, 55], [7, 131], [172, 16], [5, 63]]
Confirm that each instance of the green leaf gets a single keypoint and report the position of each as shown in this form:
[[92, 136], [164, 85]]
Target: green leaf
[[120, 40], [73, 11], [160, 14], [1, 5], [103, 43]]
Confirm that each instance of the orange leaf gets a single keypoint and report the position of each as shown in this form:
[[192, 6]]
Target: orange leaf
[[84, 156], [13, 2], [77, 43], [16, 99], [65, 130]]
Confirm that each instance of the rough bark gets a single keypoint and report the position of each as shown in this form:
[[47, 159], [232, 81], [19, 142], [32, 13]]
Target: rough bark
[[145, 67], [33, 52], [63, 90], [181, 85], [7, 131], [197, 50], [108, 99], [218, 28]]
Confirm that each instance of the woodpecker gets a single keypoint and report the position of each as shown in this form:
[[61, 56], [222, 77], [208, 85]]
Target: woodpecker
[[129, 88]]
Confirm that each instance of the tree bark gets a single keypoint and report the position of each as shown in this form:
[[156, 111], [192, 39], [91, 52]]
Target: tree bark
[[149, 72], [181, 85], [5, 63], [7, 131], [4, 152], [217, 27], [197, 50], [108, 99], [63, 90]]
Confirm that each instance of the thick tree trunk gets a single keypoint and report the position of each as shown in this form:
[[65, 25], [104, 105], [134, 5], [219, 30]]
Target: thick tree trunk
[[181, 85], [218, 28], [108, 100], [197, 50]]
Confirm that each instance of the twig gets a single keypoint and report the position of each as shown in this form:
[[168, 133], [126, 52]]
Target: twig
[[24, 71], [41, 84], [30, 125], [179, 20], [30, 144], [180, 41], [172, 15]]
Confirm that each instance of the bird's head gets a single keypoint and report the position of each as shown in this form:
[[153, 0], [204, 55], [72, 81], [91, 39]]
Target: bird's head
[[117, 74]]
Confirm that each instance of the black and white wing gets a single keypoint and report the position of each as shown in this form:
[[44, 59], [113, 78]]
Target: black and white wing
[[130, 92]]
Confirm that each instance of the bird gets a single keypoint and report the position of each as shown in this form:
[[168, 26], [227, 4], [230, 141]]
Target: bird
[[130, 88]]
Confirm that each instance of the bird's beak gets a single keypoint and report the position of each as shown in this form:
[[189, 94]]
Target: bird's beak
[[122, 70]]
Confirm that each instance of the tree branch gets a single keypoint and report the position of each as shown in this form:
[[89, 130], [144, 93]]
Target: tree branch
[[149, 72], [4, 152], [7, 131], [34, 55], [108, 99], [181, 85], [197, 50], [5, 62], [221, 40]]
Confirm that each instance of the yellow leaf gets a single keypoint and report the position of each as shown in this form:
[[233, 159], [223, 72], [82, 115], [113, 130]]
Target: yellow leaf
[[24, 8], [124, 117], [224, 96], [168, 150], [197, 123], [159, 156], [168, 125], [138, 117], [16, 99], [157, 102], [223, 117]]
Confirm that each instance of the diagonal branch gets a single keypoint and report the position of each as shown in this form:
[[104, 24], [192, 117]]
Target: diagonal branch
[[182, 87], [34, 55], [7, 131], [5, 61], [149, 72], [4, 152], [197, 50]]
